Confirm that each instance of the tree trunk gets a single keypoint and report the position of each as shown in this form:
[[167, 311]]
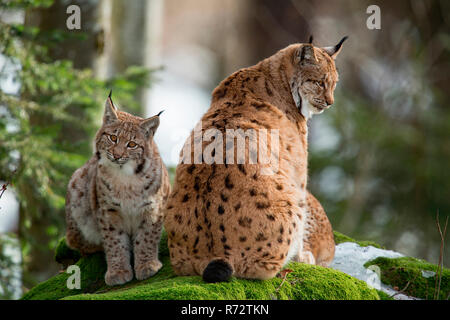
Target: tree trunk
[[38, 261], [115, 37]]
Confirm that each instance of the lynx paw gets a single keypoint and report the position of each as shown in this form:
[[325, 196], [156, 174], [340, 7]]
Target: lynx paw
[[118, 277], [305, 257], [148, 269]]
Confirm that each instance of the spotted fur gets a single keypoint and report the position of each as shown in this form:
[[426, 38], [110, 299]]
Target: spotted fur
[[114, 202], [231, 214]]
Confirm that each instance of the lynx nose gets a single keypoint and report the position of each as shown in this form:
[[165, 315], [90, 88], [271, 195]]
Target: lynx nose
[[329, 100]]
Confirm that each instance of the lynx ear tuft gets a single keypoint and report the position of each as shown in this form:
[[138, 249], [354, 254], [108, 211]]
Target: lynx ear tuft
[[151, 124], [334, 51], [110, 115], [311, 38]]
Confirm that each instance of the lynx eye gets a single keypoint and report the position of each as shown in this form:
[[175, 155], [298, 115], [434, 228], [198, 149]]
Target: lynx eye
[[113, 138], [132, 144], [320, 84]]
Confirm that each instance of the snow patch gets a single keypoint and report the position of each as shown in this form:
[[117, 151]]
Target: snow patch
[[350, 259]]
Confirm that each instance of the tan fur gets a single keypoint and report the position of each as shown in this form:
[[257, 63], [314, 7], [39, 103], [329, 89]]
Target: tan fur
[[319, 237], [255, 222], [114, 202]]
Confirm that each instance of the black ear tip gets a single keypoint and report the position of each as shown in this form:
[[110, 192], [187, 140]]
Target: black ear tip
[[311, 38], [339, 45], [160, 113], [110, 94]]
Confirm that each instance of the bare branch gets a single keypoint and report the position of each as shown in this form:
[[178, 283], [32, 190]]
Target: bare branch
[[402, 291], [4, 187], [284, 274], [442, 234]]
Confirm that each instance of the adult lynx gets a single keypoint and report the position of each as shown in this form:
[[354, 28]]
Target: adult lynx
[[225, 219]]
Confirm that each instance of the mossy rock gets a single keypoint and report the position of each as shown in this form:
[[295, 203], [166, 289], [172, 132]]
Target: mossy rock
[[92, 269], [341, 238], [384, 296], [65, 255], [399, 272], [304, 282]]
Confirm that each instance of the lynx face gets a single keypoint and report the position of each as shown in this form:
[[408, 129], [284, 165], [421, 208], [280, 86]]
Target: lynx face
[[316, 78], [122, 143], [124, 140]]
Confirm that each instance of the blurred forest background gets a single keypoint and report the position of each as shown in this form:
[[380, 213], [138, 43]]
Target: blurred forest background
[[379, 159]]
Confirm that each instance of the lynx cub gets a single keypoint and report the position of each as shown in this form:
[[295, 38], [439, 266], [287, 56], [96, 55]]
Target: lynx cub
[[114, 202]]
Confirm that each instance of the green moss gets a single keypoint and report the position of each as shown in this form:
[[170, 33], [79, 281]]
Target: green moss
[[304, 282], [92, 268], [384, 296], [163, 247], [65, 255], [399, 272], [341, 238]]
